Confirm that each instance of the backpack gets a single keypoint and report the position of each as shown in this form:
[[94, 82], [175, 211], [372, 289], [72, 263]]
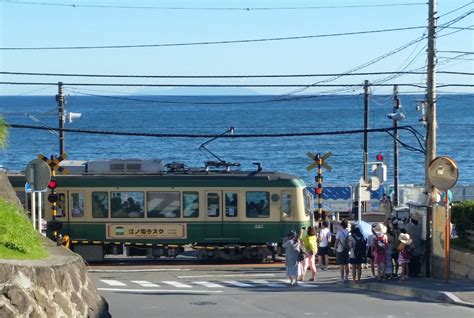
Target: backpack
[[345, 244], [359, 248]]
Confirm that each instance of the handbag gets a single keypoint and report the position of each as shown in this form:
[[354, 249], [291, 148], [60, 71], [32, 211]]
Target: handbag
[[301, 256]]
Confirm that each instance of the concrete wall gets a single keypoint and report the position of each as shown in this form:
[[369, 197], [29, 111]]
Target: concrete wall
[[58, 286]]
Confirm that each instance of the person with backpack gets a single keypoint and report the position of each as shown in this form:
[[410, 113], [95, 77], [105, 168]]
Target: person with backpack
[[379, 247], [357, 243], [342, 250]]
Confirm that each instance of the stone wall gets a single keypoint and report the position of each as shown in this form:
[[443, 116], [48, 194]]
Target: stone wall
[[7, 192], [58, 286], [461, 265]]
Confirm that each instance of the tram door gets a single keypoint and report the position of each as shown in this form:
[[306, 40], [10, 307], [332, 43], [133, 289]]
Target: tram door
[[221, 215], [214, 220]]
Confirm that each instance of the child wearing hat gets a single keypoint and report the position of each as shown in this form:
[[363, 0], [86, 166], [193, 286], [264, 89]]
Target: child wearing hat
[[379, 247], [404, 254]]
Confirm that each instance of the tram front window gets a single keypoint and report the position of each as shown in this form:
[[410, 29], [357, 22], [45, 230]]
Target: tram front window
[[257, 204]]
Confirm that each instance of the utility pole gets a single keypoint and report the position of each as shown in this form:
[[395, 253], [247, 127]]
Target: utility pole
[[61, 102], [366, 135], [396, 107], [431, 123]]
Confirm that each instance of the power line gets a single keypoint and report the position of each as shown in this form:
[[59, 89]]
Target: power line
[[210, 42], [457, 9], [231, 76], [212, 8], [206, 85], [141, 134], [457, 52]]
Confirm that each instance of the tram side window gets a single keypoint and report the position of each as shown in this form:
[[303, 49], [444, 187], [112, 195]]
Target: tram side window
[[61, 205], [286, 204], [213, 204], [76, 201], [100, 203], [257, 204], [163, 205], [190, 204], [127, 204], [231, 204]]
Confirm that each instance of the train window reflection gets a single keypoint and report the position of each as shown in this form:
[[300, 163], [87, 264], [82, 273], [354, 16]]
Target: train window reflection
[[286, 204], [127, 204], [76, 201], [213, 204], [231, 204], [163, 205], [61, 206], [100, 202], [257, 204], [190, 204]]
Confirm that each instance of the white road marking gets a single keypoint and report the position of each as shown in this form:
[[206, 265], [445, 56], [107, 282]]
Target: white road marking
[[113, 282], [98, 270], [177, 284], [236, 283], [302, 284], [144, 283], [209, 284], [160, 290], [228, 275], [266, 283]]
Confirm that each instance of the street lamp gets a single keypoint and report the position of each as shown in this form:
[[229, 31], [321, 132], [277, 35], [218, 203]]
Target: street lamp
[[397, 115]]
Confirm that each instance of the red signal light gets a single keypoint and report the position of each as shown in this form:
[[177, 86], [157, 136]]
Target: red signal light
[[52, 184], [379, 157]]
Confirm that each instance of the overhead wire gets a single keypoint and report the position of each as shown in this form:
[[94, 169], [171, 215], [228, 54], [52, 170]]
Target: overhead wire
[[209, 42], [78, 5]]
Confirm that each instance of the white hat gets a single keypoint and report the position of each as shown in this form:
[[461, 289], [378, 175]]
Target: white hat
[[379, 229], [405, 238]]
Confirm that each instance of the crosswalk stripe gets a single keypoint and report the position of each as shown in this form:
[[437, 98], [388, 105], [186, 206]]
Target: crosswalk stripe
[[209, 284], [144, 283], [266, 283], [112, 282], [236, 283], [302, 284], [177, 284]]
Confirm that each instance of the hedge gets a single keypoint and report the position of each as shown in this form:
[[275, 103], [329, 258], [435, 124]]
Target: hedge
[[462, 216]]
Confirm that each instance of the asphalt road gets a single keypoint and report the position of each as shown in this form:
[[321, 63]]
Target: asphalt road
[[247, 291]]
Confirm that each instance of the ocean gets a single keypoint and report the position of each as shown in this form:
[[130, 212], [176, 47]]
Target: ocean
[[192, 115]]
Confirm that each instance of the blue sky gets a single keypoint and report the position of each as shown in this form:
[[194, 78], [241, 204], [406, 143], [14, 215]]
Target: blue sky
[[46, 23]]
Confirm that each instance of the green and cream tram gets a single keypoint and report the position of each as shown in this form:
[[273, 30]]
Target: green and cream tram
[[141, 207]]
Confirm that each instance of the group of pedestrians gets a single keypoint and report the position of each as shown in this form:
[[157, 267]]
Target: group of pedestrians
[[301, 251], [387, 247]]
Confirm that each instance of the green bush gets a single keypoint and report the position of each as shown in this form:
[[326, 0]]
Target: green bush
[[462, 216], [17, 236]]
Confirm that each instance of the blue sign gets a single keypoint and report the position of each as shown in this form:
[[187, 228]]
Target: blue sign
[[27, 187], [334, 193]]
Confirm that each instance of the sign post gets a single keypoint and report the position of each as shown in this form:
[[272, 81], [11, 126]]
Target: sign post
[[443, 173], [319, 162]]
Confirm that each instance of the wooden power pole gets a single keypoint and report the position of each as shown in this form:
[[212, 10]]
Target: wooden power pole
[[431, 124]]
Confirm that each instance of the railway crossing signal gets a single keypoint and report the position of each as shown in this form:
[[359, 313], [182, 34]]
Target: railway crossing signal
[[319, 162], [53, 197]]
